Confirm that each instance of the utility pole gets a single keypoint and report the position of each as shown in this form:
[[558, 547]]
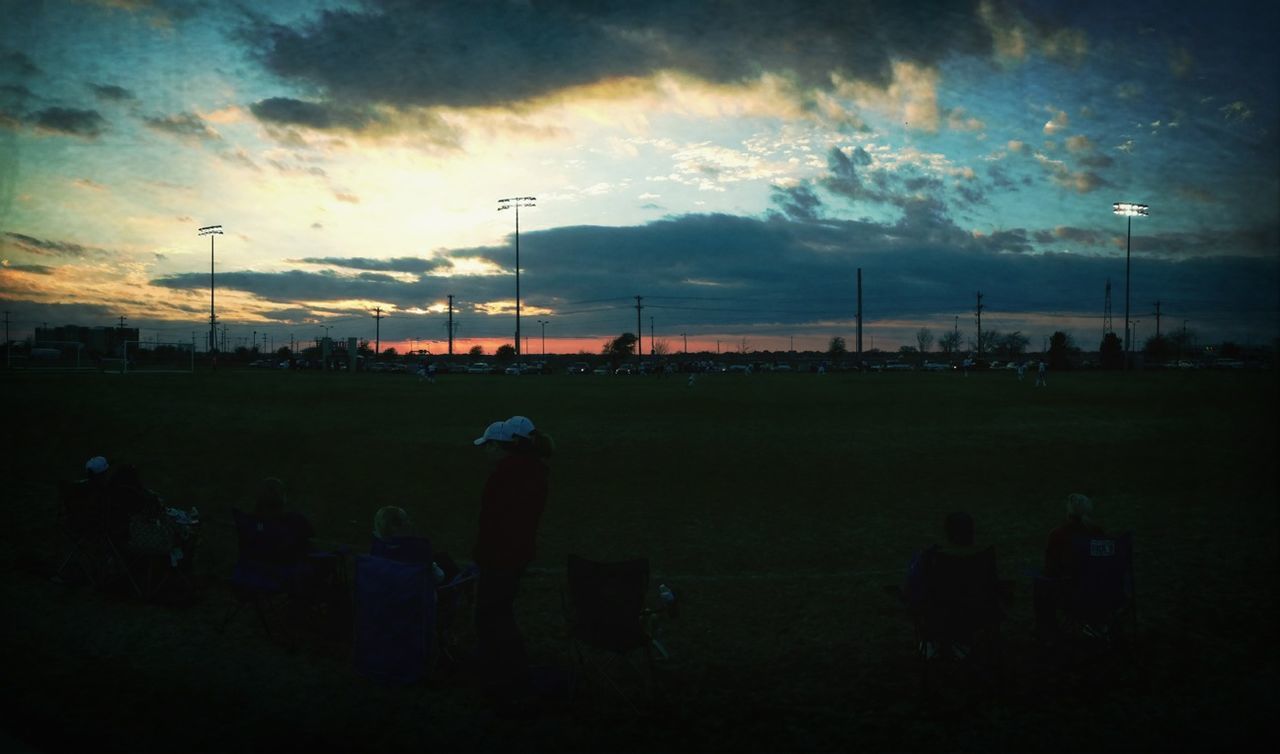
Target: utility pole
[[450, 324], [1106, 312], [377, 331], [1157, 319], [652, 350], [122, 319], [980, 308], [639, 331], [858, 336], [517, 202], [686, 342]]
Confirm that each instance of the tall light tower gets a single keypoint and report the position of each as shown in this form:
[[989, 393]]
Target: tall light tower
[[543, 322], [517, 202], [1129, 210], [211, 231]]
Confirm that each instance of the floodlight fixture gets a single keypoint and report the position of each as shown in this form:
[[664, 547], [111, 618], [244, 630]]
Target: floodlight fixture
[[1129, 210], [516, 202]]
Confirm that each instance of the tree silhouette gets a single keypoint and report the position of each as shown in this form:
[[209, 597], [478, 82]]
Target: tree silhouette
[[1111, 352], [476, 352], [620, 348], [506, 352], [836, 349], [1060, 349]]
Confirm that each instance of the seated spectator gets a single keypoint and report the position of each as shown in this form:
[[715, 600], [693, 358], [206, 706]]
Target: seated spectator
[[312, 567], [1047, 591], [127, 496], [959, 532], [393, 532]]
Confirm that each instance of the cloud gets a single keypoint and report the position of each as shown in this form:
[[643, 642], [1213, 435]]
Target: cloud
[[1236, 111], [45, 247], [187, 126], [396, 264], [87, 183], [1057, 123], [1080, 181], [797, 202], [86, 124], [285, 111], [462, 54], [348, 198], [111, 93], [33, 269], [15, 63]]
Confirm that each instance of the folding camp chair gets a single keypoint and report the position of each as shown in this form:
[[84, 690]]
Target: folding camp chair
[[395, 606], [959, 617], [82, 516], [273, 564], [609, 623], [1099, 605], [453, 598]]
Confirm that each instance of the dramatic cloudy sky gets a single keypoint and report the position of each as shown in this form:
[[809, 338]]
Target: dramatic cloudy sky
[[734, 162]]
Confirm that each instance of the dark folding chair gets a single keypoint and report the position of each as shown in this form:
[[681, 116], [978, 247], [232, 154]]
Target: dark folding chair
[[273, 564], [959, 617], [453, 598], [609, 623], [395, 615], [1099, 603], [82, 516]]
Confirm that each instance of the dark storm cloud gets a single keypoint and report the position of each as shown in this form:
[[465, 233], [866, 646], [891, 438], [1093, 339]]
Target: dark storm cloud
[[17, 64], [396, 264], [797, 202], [292, 112], [86, 124], [183, 126], [15, 94], [465, 53], [111, 93], [45, 247], [296, 285]]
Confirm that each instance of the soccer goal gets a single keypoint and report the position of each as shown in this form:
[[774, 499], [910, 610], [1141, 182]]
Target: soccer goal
[[54, 356], [153, 357]]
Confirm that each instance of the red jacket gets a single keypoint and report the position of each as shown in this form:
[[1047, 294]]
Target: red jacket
[[514, 498], [1057, 555]]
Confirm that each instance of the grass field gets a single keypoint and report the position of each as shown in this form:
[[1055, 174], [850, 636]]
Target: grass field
[[777, 506]]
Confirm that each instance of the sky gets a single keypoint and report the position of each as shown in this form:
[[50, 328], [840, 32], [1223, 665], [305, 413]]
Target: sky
[[732, 162]]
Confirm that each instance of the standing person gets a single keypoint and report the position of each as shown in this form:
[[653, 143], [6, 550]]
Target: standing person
[[1040, 380], [1047, 592], [515, 495], [1022, 370]]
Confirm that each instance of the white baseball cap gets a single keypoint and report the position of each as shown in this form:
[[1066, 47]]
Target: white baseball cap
[[519, 426], [96, 465], [495, 432]]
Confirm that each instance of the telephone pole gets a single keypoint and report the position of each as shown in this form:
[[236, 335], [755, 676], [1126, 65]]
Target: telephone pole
[[1157, 320], [377, 331], [858, 336], [979, 312], [652, 351], [450, 325], [122, 319], [639, 330]]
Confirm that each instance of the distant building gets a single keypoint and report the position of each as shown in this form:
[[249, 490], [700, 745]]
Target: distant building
[[104, 341]]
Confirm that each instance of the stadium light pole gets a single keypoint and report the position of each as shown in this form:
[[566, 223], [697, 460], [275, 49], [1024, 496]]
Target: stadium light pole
[[1130, 211], [543, 322], [516, 202], [211, 231]]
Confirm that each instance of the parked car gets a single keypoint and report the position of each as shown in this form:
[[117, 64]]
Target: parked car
[[579, 367], [740, 369], [933, 366], [600, 370], [897, 366], [478, 367], [625, 369], [516, 369]]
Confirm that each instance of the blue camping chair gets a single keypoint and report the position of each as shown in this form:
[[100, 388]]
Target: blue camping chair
[[1098, 594], [395, 615], [452, 597], [273, 563]]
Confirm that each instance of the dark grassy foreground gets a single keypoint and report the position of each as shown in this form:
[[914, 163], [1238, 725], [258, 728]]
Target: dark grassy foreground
[[776, 505]]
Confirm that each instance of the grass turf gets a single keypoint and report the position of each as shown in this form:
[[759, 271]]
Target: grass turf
[[778, 506]]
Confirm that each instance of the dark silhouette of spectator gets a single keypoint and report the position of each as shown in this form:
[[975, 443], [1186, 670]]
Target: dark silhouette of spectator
[[313, 571], [394, 531], [127, 496], [1047, 589], [959, 532], [515, 495]]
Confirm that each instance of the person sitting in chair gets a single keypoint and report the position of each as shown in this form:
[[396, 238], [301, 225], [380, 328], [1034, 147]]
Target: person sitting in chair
[[394, 539], [959, 532], [1047, 587], [311, 569]]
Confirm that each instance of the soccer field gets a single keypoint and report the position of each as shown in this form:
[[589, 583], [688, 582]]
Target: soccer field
[[777, 505]]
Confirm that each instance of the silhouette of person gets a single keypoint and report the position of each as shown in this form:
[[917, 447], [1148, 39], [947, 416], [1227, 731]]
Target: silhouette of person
[[1040, 378], [393, 530], [959, 532], [511, 506], [1047, 592]]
